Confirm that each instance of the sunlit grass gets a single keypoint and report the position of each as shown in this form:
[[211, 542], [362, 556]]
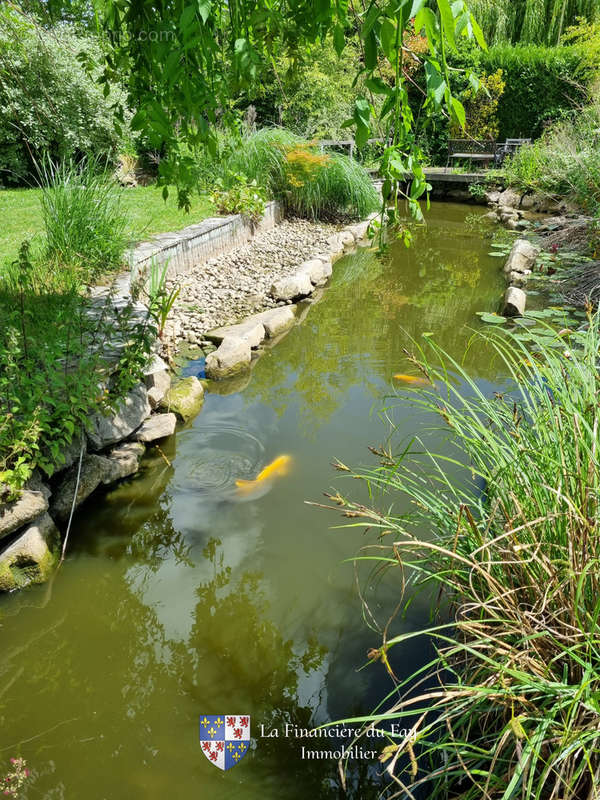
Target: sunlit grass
[[147, 213]]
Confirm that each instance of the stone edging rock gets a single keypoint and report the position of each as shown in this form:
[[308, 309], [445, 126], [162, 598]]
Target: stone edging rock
[[233, 355], [114, 445], [517, 268]]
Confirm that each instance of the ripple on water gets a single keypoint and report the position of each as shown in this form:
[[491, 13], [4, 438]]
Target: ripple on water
[[214, 457]]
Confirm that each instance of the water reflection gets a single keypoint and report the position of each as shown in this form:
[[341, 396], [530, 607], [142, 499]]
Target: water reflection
[[178, 600]]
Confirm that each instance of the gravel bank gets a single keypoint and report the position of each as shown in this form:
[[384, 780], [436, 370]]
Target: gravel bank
[[232, 286]]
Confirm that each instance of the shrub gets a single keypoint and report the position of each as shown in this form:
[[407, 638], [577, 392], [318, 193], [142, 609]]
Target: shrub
[[481, 107], [51, 107], [242, 197], [508, 707], [565, 161], [83, 217], [55, 363]]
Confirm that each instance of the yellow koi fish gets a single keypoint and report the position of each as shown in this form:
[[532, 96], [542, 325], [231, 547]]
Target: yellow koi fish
[[277, 468], [416, 381]]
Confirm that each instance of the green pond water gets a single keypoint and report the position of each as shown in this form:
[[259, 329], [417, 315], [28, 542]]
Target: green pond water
[[181, 598]]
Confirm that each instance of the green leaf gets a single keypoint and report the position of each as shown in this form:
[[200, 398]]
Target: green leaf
[[478, 33], [378, 86], [339, 40], [492, 319], [388, 40], [447, 20], [204, 9], [458, 111], [370, 44]]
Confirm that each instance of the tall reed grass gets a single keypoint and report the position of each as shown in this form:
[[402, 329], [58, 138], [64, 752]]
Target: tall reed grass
[[509, 706], [85, 223]]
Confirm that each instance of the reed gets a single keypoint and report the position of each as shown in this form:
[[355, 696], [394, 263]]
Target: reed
[[509, 706]]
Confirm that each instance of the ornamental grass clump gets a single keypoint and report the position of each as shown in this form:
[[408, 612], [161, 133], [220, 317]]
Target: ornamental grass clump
[[509, 706], [307, 182], [85, 223]]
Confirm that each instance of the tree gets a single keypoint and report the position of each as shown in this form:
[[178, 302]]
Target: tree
[[188, 60]]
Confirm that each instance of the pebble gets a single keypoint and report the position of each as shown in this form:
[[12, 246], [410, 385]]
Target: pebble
[[236, 284]]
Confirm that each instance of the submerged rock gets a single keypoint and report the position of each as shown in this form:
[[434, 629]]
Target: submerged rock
[[158, 426], [184, 398], [31, 503], [131, 412], [231, 357], [32, 556]]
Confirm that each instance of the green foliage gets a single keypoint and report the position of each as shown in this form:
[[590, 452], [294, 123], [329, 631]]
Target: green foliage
[[55, 367], [203, 55], [481, 106], [308, 183], [161, 299], [238, 195], [510, 556], [311, 93], [541, 83], [531, 21], [565, 161], [51, 107], [86, 226]]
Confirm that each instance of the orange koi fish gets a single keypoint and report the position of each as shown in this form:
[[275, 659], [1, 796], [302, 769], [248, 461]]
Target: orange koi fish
[[416, 381], [277, 468]]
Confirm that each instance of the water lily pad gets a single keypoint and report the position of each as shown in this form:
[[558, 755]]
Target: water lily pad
[[493, 319]]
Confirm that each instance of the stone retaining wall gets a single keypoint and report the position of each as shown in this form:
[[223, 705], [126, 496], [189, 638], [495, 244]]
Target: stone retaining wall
[[197, 243]]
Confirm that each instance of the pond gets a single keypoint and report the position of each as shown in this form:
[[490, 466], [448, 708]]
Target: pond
[[184, 596]]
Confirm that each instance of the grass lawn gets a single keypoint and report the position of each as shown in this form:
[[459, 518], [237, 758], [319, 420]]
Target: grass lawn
[[21, 217]]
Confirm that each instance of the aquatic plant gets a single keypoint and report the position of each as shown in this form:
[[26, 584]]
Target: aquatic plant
[[509, 705]]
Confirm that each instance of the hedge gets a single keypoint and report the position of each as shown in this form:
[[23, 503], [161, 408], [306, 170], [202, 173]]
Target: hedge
[[541, 84]]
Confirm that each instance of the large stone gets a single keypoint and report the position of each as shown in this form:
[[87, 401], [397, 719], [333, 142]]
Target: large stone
[[72, 452], [347, 240], [522, 257], [251, 331], [292, 286], [230, 358], [359, 230], [315, 269], [278, 320], [185, 398], [124, 461], [509, 198], [29, 505], [157, 427], [514, 302], [336, 246], [94, 471], [492, 197], [32, 556], [131, 412], [157, 379]]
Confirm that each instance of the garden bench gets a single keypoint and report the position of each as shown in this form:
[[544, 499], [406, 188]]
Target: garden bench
[[472, 150], [509, 147]]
